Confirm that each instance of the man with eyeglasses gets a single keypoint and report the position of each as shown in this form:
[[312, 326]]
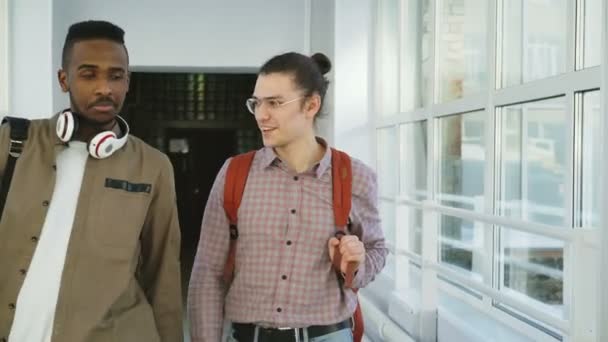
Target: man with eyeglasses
[[284, 286]]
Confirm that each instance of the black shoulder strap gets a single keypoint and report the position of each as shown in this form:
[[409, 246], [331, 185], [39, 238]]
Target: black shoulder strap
[[19, 128]]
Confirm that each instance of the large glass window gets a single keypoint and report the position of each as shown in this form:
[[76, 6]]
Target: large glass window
[[534, 141], [462, 160], [534, 40], [462, 55], [515, 162]]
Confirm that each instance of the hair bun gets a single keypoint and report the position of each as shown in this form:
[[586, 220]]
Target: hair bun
[[322, 62]]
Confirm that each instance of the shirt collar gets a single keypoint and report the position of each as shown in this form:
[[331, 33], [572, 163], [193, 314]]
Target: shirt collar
[[269, 158]]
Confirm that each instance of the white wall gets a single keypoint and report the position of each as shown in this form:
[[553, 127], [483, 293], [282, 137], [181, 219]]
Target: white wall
[[322, 40], [184, 35], [31, 73], [353, 117], [198, 33], [61, 100], [602, 294], [3, 57]]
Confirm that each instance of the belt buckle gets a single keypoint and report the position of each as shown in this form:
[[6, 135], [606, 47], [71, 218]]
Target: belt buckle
[[296, 331], [284, 328]]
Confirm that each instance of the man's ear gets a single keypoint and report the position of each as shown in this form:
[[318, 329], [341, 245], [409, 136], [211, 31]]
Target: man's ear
[[312, 105], [62, 77]]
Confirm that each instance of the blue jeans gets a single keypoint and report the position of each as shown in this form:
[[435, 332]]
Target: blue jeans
[[344, 335]]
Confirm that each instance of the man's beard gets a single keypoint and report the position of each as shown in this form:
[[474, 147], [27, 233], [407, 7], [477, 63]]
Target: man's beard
[[85, 120]]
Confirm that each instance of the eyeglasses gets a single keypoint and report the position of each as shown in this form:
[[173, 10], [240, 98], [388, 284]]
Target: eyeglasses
[[254, 103]]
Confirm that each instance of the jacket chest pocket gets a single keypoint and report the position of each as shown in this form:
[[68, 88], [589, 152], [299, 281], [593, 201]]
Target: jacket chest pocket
[[120, 218]]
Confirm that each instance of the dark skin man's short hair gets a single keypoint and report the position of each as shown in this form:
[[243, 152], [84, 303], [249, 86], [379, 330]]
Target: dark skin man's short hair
[[90, 30]]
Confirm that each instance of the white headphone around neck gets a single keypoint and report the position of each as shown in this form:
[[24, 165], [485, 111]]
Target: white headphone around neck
[[102, 145]]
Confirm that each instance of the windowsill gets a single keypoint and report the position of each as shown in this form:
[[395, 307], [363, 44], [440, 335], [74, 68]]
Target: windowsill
[[404, 309], [459, 321]]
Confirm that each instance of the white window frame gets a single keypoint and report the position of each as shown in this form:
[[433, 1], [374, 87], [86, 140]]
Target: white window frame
[[602, 310], [580, 244], [4, 58]]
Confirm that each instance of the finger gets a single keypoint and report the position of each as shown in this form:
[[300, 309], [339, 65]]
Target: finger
[[351, 246], [333, 242], [349, 238], [353, 258], [344, 266]]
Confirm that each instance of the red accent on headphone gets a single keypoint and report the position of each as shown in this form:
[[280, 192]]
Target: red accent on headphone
[[110, 135], [65, 125]]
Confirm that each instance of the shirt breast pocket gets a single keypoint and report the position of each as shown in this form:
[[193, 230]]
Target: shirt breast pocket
[[120, 218]]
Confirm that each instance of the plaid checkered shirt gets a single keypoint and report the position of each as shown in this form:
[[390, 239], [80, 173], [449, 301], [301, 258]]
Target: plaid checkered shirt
[[283, 274]]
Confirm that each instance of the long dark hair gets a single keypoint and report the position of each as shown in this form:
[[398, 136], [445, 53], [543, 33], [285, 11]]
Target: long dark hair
[[308, 72]]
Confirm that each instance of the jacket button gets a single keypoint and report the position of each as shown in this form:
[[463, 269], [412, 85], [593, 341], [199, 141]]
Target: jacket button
[[11, 306], [45, 203], [22, 271], [34, 239]]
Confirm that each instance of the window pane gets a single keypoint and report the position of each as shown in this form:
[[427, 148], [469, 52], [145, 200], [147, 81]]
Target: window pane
[[534, 40], [413, 160], [409, 234], [388, 152], [462, 48], [388, 44], [461, 244], [416, 61], [532, 267], [533, 164], [462, 159], [387, 215], [593, 32], [591, 163]]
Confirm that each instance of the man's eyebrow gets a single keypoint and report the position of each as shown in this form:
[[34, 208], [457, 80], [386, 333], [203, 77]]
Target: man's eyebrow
[[87, 66], [274, 97], [91, 66], [114, 69]]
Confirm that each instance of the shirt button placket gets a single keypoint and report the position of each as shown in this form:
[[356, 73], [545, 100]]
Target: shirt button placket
[[289, 249]]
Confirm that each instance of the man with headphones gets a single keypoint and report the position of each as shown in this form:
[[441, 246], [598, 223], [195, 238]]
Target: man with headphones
[[89, 235]]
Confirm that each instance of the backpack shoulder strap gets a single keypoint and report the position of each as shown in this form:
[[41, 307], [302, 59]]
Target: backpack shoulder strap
[[342, 183], [19, 129], [234, 187]]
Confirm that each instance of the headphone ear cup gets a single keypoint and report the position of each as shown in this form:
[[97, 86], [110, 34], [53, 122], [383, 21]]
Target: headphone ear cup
[[66, 126], [102, 145]]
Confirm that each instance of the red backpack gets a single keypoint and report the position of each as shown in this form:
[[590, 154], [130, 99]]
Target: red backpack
[[342, 179]]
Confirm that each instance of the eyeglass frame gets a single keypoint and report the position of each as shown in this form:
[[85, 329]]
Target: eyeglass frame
[[280, 104]]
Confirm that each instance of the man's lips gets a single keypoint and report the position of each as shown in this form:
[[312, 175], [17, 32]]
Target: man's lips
[[103, 108]]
